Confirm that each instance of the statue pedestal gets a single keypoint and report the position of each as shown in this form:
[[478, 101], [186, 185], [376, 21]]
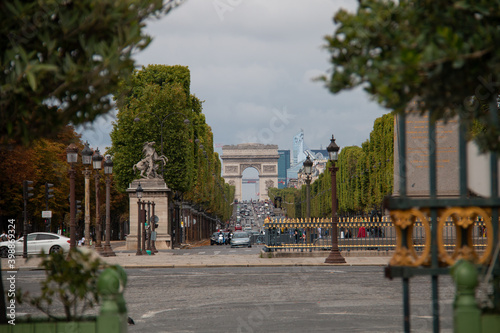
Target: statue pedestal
[[155, 190]]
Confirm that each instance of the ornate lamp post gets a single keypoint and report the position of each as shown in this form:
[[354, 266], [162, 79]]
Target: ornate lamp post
[[138, 192], [334, 257], [87, 160], [97, 164], [308, 170], [72, 158], [108, 170]]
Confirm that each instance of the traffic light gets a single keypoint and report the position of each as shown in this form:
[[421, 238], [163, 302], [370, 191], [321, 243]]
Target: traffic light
[[78, 206], [27, 188], [48, 191]]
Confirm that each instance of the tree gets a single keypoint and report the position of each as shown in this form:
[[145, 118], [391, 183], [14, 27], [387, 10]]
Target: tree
[[153, 106], [443, 54], [44, 161], [61, 60], [364, 178]]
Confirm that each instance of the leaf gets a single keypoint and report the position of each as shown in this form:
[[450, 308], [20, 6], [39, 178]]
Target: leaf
[[31, 80]]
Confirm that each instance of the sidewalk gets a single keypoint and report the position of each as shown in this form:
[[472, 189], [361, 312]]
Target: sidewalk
[[167, 259]]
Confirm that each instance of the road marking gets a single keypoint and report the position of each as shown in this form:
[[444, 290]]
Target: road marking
[[202, 252], [388, 315], [150, 314], [216, 252], [186, 254]]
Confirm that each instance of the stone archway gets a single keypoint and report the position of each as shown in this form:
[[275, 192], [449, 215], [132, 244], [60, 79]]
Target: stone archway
[[237, 158]]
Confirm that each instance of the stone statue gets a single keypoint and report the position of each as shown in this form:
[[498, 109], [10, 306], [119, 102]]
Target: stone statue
[[147, 166]]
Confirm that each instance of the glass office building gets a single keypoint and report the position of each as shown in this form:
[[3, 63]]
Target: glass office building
[[283, 165]]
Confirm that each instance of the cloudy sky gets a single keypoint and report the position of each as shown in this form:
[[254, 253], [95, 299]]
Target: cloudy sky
[[252, 62]]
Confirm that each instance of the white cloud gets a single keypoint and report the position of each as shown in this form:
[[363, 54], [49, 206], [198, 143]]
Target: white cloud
[[258, 60]]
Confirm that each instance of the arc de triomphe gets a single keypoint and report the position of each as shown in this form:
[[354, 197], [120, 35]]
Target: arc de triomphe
[[264, 158]]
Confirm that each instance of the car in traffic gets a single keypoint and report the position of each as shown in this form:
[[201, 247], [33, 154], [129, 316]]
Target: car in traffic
[[37, 243], [240, 239], [238, 227]]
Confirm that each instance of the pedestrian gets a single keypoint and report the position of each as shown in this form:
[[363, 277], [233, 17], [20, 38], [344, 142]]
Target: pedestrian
[[4, 237], [362, 232]]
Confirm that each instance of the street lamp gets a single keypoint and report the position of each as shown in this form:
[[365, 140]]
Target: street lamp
[[87, 160], [161, 121], [308, 170], [138, 192], [97, 164], [108, 170], [334, 257], [72, 158]]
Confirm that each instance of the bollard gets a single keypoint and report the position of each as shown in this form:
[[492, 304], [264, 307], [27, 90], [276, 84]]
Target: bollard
[[113, 315], [466, 313]]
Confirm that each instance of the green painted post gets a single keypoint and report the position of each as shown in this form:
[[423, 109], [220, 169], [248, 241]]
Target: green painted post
[[466, 314], [122, 306], [113, 315]]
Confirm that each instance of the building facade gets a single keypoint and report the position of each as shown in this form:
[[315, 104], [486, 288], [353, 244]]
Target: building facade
[[283, 166]]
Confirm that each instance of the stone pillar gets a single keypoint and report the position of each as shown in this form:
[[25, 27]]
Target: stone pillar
[[154, 190]]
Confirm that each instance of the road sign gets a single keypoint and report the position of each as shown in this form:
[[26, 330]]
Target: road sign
[[46, 214]]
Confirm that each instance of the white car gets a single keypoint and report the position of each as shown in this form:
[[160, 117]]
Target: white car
[[37, 242]]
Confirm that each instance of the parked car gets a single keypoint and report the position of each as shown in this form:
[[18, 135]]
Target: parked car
[[37, 242], [240, 239]]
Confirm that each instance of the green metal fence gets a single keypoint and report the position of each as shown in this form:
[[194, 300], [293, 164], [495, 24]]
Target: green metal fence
[[452, 236]]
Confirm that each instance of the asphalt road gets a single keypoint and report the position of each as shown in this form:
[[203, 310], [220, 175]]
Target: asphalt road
[[209, 250], [274, 299]]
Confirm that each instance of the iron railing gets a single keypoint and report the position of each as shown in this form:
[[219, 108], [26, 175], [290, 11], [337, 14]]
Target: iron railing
[[358, 234]]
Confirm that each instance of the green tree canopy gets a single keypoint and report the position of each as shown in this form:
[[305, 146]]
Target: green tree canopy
[[155, 105], [364, 178], [61, 60], [444, 53]]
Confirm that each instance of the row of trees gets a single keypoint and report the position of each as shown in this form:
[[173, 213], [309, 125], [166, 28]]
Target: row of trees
[[44, 161], [156, 105], [364, 178], [193, 170]]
